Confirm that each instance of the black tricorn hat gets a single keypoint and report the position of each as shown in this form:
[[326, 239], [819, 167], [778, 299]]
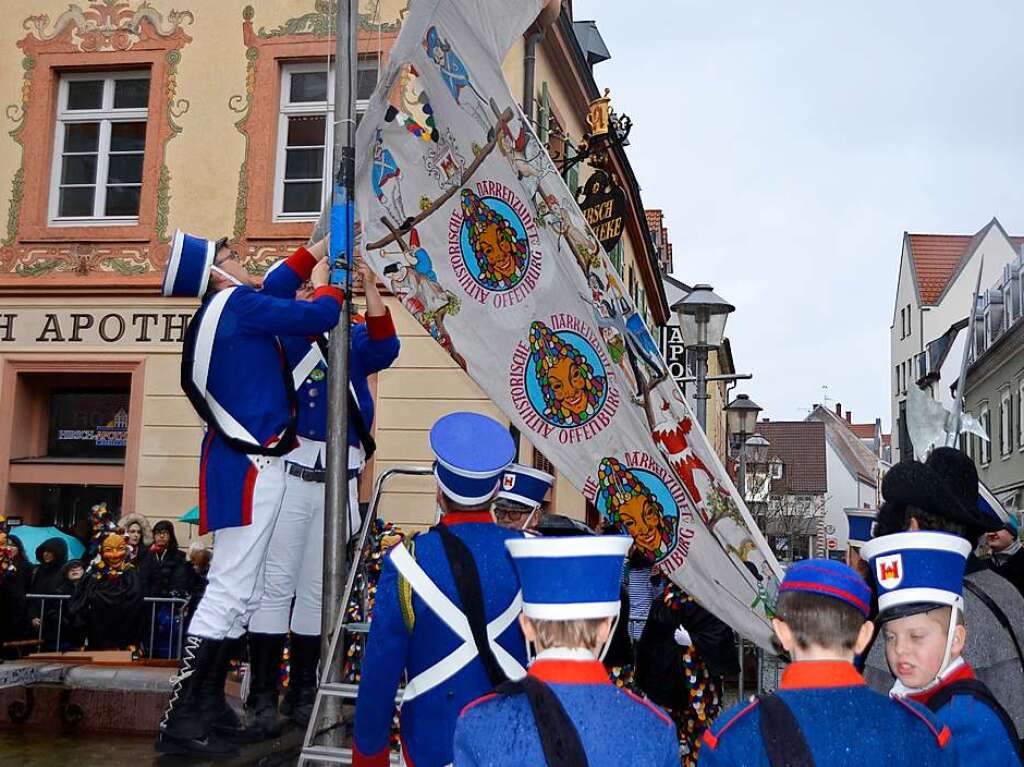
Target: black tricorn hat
[[558, 526], [945, 485]]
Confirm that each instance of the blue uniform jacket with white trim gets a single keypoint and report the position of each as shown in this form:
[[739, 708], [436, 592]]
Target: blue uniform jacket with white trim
[[428, 720], [246, 378], [845, 724], [615, 727], [374, 346]]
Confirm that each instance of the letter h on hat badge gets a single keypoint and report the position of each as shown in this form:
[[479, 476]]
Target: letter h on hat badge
[[889, 570]]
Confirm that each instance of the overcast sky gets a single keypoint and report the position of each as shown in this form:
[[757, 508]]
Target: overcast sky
[[791, 145]]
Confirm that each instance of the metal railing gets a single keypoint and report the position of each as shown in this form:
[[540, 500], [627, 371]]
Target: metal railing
[[177, 605], [768, 669]]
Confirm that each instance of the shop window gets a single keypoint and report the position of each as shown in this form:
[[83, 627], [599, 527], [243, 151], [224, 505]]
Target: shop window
[[305, 135], [88, 424], [100, 143]]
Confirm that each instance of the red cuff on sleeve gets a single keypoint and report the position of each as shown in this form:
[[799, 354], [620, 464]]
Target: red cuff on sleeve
[[380, 328], [329, 290], [381, 759], [301, 262]]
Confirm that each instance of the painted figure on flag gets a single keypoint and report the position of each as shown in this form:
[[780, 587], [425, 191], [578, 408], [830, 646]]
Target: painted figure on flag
[[456, 77], [387, 180], [528, 159], [640, 502], [408, 105], [577, 235], [569, 374], [497, 242], [413, 281]]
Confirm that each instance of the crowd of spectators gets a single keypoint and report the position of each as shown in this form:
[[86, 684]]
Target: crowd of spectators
[[136, 592]]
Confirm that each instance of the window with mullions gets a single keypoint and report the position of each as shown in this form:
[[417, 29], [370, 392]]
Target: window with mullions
[[100, 144], [305, 135]]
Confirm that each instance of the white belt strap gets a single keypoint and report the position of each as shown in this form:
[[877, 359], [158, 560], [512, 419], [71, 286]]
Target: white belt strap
[[456, 620]]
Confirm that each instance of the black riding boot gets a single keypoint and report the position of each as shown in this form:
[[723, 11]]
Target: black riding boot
[[265, 650], [298, 698], [185, 728], [220, 715]]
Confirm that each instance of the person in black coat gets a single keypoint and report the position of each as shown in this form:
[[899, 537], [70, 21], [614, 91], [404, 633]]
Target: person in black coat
[[1008, 553], [169, 569], [48, 579], [166, 574], [13, 610]]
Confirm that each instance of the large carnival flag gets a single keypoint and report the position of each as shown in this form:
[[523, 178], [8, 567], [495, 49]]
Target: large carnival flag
[[468, 221]]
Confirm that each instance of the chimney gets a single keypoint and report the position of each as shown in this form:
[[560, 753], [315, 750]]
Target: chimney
[[849, 417], [839, 409]]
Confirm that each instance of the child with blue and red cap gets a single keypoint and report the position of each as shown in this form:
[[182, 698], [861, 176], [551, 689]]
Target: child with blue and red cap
[[920, 580], [823, 713]]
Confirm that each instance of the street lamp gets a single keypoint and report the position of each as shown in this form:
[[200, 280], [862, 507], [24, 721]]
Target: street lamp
[[702, 317], [741, 420]]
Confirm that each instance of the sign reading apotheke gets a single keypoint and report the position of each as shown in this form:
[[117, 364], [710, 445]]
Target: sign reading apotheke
[[91, 326]]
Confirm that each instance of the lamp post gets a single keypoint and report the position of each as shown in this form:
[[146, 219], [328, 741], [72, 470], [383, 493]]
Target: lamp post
[[741, 420], [702, 317]]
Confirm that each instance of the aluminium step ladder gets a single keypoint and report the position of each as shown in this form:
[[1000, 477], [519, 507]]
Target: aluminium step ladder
[[326, 722]]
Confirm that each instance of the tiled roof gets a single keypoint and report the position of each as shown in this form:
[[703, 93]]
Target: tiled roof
[[800, 445], [863, 430], [936, 258]]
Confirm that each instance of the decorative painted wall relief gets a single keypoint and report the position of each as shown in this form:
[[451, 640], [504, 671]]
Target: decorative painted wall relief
[[92, 31]]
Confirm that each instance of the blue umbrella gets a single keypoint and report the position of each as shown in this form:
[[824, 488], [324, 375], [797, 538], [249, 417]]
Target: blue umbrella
[[191, 516], [31, 537]]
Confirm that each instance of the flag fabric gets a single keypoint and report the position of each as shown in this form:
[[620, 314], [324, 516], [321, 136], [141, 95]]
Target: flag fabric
[[470, 224]]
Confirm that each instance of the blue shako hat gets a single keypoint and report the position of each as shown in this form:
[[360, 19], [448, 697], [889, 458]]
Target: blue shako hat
[[525, 485], [861, 522], [828, 578], [570, 578], [188, 267], [472, 452], [917, 571]]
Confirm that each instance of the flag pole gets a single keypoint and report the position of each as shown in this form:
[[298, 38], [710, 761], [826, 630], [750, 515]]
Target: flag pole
[[336, 512]]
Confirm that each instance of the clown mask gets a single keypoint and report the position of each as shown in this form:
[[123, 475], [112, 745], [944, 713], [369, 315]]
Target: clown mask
[[114, 551]]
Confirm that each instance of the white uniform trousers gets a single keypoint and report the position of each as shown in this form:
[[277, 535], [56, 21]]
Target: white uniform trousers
[[295, 559], [237, 571]]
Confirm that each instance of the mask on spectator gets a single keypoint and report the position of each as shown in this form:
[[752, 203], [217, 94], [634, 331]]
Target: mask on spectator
[[114, 551]]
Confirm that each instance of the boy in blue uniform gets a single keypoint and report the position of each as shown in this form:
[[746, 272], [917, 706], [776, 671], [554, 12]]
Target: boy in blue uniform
[[823, 713], [920, 577], [236, 377], [295, 561], [446, 606], [566, 711]]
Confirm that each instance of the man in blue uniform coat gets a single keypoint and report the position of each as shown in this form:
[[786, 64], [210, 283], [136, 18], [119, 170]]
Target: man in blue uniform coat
[[823, 713], [567, 711], [237, 378], [295, 560], [446, 606]]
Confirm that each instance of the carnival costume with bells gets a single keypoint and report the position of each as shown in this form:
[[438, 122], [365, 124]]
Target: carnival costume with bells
[[446, 606], [823, 713], [918, 572], [108, 601], [238, 380], [567, 711]]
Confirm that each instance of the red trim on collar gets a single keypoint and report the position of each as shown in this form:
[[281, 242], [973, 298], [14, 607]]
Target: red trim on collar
[[964, 672], [459, 517], [820, 673], [560, 671]]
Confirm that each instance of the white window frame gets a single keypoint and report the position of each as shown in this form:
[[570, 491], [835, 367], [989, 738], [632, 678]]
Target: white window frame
[[985, 446], [1020, 415], [288, 109], [1005, 423], [105, 115]]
